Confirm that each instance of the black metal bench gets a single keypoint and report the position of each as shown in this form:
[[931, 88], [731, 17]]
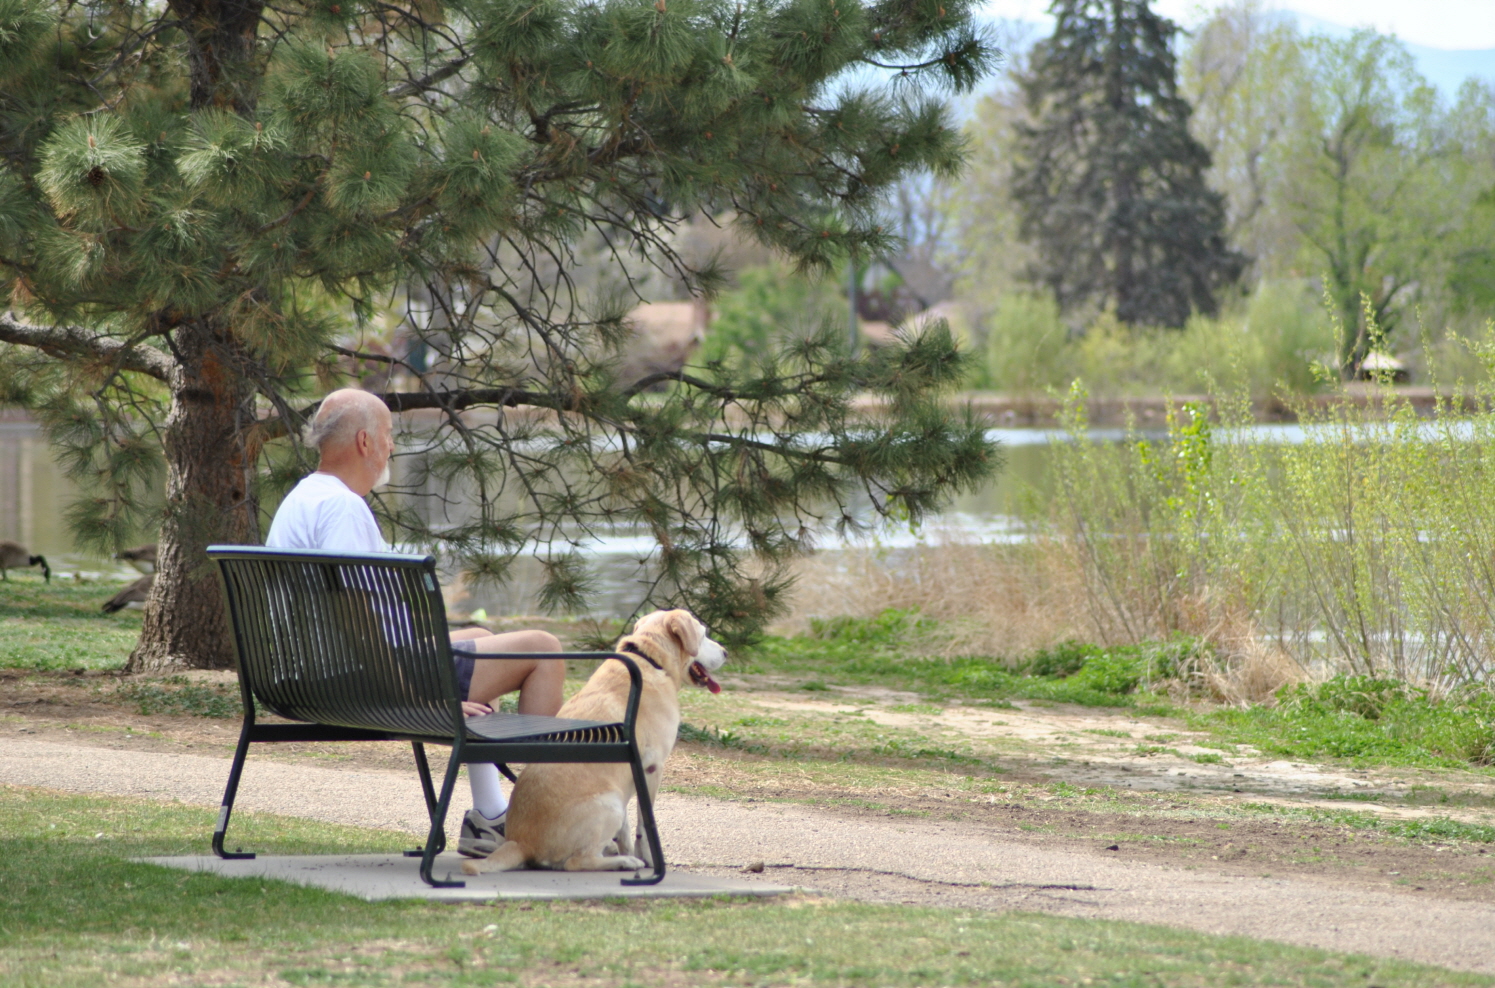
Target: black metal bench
[[356, 648]]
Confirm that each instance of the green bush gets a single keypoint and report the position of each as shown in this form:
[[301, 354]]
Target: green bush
[[1261, 343], [1058, 661], [768, 303]]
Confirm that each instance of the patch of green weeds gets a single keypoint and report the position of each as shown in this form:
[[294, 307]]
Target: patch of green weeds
[[1108, 732], [179, 695], [1366, 720], [714, 737], [1207, 758], [884, 650], [1433, 830]]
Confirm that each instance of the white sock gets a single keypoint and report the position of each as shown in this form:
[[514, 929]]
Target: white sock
[[487, 794]]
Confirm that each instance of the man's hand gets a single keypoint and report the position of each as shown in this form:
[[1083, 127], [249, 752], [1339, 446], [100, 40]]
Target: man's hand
[[471, 709]]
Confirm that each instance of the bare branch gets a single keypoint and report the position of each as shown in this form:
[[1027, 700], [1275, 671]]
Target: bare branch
[[64, 342]]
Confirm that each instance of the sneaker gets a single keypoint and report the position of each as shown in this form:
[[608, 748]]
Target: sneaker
[[480, 835]]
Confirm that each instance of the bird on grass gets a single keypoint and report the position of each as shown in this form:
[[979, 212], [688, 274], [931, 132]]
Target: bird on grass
[[135, 593], [142, 557], [13, 555]]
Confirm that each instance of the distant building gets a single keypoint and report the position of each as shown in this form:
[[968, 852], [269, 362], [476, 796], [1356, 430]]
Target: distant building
[[1382, 365], [877, 332]]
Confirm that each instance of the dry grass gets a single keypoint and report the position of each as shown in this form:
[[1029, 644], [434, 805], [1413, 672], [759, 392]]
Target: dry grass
[[1009, 600], [1250, 674], [988, 599]]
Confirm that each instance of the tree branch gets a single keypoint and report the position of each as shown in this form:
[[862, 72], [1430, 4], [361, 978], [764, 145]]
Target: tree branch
[[63, 342], [418, 85]]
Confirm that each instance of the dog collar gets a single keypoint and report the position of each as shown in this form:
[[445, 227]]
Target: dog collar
[[633, 649]]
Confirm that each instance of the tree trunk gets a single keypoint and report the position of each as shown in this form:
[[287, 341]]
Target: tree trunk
[[210, 456]]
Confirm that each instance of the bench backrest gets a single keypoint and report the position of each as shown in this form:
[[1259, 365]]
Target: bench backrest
[[357, 640]]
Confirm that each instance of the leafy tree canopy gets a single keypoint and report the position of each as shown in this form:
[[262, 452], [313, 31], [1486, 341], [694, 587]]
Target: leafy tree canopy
[[206, 204]]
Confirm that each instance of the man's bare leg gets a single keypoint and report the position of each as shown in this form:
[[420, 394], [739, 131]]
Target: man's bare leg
[[539, 681]]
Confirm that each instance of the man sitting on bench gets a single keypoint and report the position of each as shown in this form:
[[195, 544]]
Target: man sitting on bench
[[353, 432]]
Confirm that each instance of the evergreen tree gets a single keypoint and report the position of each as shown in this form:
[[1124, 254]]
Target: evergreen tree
[[1108, 181], [203, 204]]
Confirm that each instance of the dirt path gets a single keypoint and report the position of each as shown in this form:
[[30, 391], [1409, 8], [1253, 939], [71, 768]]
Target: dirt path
[[957, 863], [1113, 747]]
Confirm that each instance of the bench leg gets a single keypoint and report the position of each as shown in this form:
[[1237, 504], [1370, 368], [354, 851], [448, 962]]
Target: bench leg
[[646, 821], [423, 767], [229, 792], [437, 840]]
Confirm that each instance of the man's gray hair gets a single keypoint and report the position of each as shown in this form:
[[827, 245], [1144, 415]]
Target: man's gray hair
[[342, 415]]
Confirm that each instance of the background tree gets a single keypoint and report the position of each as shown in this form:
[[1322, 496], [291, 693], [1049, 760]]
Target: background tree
[[1339, 161], [1243, 73], [206, 208], [1354, 179], [1108, 179]]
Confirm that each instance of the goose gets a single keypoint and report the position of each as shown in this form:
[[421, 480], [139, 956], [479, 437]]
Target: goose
[[13, 555], [142, 557], [135, 593]]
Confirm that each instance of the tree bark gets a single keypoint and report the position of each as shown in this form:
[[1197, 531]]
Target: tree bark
[[211, 450], [210, 441]]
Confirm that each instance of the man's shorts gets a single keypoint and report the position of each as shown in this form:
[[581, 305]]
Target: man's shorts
[[463, 662]]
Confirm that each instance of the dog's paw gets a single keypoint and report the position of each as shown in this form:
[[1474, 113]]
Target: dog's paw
[[472, 867], [627, 862]]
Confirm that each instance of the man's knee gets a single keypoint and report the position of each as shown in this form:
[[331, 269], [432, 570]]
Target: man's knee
[[540, 641]]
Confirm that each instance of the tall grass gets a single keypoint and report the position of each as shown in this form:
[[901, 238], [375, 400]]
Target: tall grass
[[1359, 542], [1364, 542]]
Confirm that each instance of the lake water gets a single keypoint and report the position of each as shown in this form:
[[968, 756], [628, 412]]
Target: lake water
[[34, 494]]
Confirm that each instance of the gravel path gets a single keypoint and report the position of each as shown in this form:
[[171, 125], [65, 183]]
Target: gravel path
[[913, 861]]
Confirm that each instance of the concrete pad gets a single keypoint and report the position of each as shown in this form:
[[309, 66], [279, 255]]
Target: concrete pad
[[393, 876]]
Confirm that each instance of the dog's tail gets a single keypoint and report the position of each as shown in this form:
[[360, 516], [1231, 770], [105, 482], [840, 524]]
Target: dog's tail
[[510, 856]]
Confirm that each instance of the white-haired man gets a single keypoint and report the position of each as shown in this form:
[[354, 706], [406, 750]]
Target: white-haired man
[[353, 432]]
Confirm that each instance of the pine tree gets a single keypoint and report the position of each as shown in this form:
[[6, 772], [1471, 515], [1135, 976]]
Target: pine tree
[[1108, 180], [203, 203]]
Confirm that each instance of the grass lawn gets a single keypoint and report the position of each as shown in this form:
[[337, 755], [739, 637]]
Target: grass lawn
[[60, 625], [77, 912]]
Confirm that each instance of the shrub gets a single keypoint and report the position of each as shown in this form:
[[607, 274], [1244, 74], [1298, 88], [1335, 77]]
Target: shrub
[[1361, 544]]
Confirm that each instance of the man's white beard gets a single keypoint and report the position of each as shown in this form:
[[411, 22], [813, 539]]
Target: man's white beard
[[383, 476]]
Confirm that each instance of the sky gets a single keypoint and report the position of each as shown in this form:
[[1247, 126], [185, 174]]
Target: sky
[[1450, 25]]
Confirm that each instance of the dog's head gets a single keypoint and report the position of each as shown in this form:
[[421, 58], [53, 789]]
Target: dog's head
[[678, 643]]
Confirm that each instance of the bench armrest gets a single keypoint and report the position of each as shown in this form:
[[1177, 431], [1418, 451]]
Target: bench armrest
[[635, 678]]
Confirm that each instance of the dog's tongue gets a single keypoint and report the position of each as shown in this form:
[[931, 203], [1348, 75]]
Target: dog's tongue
[[699, 673]]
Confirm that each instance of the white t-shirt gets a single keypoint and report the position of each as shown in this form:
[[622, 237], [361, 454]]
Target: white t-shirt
[[322, 512]]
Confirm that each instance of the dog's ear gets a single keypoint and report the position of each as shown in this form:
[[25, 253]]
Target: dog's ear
[[684, 628]]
